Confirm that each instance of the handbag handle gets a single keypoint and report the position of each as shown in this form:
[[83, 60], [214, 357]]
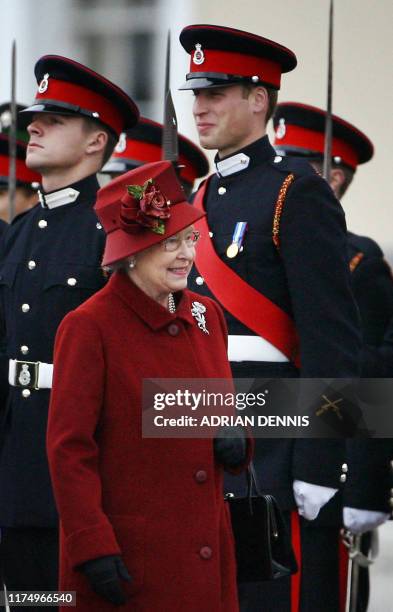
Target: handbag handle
[[253, 485]]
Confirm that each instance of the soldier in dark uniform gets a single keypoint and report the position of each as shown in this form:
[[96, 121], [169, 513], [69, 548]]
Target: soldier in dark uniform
[[276, 260], [50, 263], [299, 132], [143, 144], [27, 181]]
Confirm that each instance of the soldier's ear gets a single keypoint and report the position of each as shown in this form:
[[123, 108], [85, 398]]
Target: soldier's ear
[[259, 99], [337, 179], [96, 141]]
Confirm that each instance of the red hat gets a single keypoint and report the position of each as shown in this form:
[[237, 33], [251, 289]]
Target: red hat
[[69, 88], [141, 208], [24, 176], [300, 131], [225, 56], [143, 144]]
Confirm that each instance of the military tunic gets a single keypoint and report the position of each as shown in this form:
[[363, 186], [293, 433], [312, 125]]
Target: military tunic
[[308, 278], [49, 264]]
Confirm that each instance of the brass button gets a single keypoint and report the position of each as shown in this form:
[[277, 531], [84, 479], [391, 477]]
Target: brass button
[[344, 468], [71, 282], [201, 476], [343, 478], [42, 223], [173, 329], [25, 307], [206, 552], [211, 234], [199, 280], [24, 349], [26, 393], [98, 226], [31, 265], [221, 190], [277, 159]]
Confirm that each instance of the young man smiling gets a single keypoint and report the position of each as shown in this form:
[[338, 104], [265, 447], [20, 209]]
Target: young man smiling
[[274, 255], [50, 263]]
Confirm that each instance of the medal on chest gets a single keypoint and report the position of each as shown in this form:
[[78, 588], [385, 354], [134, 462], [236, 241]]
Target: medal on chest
[[237, 239]]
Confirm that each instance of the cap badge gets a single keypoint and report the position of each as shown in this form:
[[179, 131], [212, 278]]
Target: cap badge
[[197, 311], [281, 129], [122, 143], [43, 86], [5, 120], [199, 56]]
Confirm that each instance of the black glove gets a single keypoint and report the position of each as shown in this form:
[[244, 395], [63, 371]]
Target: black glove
[[104, 575], [230, 447]]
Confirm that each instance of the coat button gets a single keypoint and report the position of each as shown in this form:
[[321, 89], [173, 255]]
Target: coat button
[[25, 307], [206, 552], [98, 226], [31, 265], [42, 223], [344, 468], [222, 190], [277, 159], [24, 349], [26, 393], [201, 476], [211, 234], [71, 282], [199, 280], [173, 329], [343, 478]]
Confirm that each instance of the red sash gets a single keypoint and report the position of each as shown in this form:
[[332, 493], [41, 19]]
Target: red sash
[[248, 305]]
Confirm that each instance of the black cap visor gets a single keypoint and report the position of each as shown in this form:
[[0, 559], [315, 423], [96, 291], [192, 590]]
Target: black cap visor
[[209, 80], [63, 108]]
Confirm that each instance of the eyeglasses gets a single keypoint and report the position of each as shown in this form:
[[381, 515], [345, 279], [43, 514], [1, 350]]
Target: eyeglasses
[[173, 243]]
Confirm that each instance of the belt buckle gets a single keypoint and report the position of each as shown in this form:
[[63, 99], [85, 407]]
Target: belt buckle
[[26, 374]]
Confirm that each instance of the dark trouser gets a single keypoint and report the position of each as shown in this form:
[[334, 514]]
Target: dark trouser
[[320, 584], [29, 560]]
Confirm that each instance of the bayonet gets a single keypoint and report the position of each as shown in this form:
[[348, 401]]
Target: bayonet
[[12, 138], [170, 143], [327, 157]]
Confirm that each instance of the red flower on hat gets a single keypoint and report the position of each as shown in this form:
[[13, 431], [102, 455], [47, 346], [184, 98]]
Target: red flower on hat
[[146, 206]]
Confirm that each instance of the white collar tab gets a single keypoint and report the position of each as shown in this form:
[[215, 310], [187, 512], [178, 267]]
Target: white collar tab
[[58, 198], [232, 164]]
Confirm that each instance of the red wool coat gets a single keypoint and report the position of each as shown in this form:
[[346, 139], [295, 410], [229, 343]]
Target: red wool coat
[[119, 493]]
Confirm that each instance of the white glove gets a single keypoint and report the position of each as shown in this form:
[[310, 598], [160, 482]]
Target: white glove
[[359, 521], [310, 498]]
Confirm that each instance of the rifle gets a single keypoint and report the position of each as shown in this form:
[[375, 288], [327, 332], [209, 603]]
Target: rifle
[[356, 560]]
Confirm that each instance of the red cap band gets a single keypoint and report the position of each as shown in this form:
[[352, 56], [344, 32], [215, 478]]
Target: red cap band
[[23, 173], [296, 136], [64, 91], [227, 62], [147, 152]]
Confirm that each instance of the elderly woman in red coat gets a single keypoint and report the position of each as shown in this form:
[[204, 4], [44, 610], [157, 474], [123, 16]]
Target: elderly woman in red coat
[[144, 525]]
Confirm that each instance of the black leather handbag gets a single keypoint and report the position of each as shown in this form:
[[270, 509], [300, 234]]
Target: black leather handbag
[[262, 541]]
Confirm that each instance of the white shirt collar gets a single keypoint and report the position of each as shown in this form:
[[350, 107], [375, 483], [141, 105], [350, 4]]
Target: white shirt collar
[[58, 198], [232, 164]]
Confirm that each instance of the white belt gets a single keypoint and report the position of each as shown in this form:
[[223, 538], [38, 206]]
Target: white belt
[[253, 348], [30, 374]]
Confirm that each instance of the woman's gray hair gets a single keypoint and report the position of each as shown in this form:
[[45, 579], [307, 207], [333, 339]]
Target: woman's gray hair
[[118, 266]]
